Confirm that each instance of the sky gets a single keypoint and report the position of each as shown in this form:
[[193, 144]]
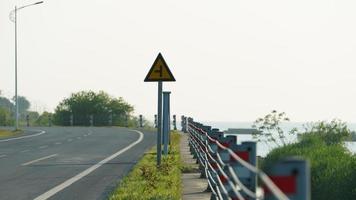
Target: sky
[[233, 60]]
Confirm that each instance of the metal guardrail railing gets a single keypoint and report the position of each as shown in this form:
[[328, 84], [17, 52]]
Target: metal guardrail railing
[[231, 168]]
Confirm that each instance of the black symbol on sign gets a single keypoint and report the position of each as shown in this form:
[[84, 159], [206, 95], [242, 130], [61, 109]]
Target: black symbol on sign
[[160, 71]]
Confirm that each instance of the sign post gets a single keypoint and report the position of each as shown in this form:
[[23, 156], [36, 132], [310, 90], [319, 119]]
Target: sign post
[[159, 72], [166, 121]]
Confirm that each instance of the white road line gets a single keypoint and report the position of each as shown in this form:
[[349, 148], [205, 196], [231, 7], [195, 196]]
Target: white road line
[[23, 137], [1, 156], [84, 173], [84, 135], [37, 160], [58, 143], [24, 151], [79, 138], [69, 140], [42, 147]]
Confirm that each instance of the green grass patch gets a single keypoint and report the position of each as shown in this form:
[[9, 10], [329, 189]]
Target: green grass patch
[[146, 181], [7, 133]]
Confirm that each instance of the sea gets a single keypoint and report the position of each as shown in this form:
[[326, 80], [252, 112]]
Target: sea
[[262, 148]]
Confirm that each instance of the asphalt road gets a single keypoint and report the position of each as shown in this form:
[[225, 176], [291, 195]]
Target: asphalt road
[[69, 163]]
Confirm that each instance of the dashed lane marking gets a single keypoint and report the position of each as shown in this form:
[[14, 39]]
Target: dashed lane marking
[[84, 173], [37, 160]]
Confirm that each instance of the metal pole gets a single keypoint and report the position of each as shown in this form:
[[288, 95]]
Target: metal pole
[[165, 122], [159, 124], [169, 118], [16, 98]]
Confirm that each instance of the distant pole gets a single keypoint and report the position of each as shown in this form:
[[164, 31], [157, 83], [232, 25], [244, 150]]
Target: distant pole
[[28, 120], [110, 118], [91, 120], [141, 121], [155, 121], [49, 121], [175, 122], [159, 124], [71, 119]]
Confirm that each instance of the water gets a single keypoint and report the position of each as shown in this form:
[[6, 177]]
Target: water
[[262, 148]]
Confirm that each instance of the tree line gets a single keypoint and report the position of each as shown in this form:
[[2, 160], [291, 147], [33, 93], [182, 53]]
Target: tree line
[[82, 108]]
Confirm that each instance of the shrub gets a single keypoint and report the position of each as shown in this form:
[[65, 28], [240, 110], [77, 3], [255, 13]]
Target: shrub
[[333, 168], [333, 132]]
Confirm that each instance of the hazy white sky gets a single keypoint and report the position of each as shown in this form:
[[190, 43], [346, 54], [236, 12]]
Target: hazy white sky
[[233, 60]]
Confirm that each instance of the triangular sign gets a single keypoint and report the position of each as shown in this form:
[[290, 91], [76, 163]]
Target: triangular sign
[[159, 71]]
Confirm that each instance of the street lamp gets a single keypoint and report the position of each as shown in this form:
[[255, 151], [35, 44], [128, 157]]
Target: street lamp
[[13, 18]]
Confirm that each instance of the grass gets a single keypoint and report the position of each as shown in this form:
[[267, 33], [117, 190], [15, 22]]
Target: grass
[[7, 133], [146, 181]]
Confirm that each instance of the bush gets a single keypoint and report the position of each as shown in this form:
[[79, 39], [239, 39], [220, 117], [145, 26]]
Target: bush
[[334, 132], [5, 117], [43, 119], [333, 168]]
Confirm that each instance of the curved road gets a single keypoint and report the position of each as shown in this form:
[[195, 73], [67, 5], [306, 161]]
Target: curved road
[[69, 163]]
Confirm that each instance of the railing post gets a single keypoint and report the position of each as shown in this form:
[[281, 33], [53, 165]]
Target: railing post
[[247, 152], [292, 177], [183, 124]]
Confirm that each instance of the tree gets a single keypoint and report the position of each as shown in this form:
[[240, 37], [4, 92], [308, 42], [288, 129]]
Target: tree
[[84, 105], [43, 119], [5, 117], [269, 129], [23, 105], [6, 103]]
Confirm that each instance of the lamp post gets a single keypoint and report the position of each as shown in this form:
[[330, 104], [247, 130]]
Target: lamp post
[[13, 18]]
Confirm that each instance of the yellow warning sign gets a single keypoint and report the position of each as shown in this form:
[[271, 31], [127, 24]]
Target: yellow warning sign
[[159, 71]]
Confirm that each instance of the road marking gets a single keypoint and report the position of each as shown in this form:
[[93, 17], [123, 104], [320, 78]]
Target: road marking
[[69, 140], [84, 135], [37, 160], [23, 137], [1, 156], [42, 147], [58, 143], [84, 173], [79, 138], [24, 151]]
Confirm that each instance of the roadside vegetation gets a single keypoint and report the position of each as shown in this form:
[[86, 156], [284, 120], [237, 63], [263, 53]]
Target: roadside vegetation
[[79, 108], [146, 181], [99, 107], [333, 167], [7, 133]]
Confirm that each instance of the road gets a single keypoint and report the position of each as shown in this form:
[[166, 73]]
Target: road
[[69, 163]]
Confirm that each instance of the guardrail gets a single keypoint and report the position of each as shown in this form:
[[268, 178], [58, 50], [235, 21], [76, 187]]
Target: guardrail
[[231, 168]]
